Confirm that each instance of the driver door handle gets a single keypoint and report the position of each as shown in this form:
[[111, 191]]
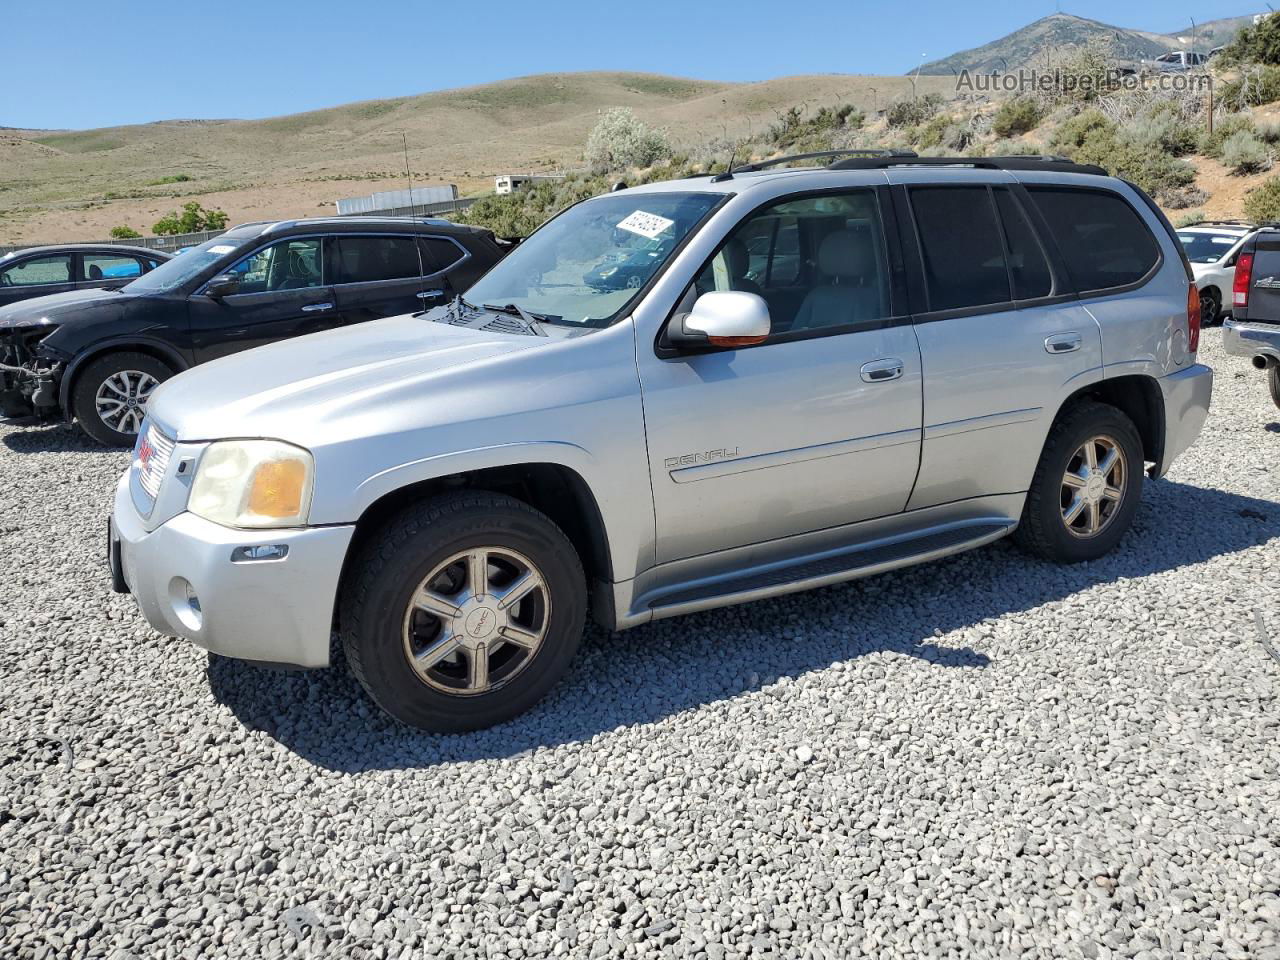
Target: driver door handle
[[313, 307], [430, 294], [1063, 343], [879, 371]]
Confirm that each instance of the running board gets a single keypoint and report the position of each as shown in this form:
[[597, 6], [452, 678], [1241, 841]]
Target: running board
[[811, 572]]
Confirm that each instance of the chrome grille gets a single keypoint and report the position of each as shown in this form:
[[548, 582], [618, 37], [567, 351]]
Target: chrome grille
[[151, 459]]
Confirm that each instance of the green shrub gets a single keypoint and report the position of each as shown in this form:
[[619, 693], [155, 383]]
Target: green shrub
[[620, 140], [193, 218], [1256, 43], [1015, 117], [1189, 219], [1263, 202], [931, 133], [123, 232], [1180, 198], [1211, 143], [792, 129], [1015, 148], [1163, 130], [1121, 156], [912, 113], [175, 178], [1243, 153], [1257, 84], [1072, 133]]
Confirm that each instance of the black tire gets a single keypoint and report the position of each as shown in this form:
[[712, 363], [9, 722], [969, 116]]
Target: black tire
[[396, 559], [1210, 306], [1273, 381], [1043, 530], [93, 376]]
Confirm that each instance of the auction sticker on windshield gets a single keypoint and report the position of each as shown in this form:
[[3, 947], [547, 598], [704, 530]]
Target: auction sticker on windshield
[[648, 225], [222, 248]]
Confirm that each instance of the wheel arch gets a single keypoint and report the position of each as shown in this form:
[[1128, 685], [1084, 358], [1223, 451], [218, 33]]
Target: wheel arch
[[558, 491], [154, 348], [1138, 397]]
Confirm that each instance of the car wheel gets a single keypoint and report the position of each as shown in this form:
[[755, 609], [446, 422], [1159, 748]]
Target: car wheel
[[110, 395], [1273, 381], [1086, 487], [462, 611], [1210, 306]]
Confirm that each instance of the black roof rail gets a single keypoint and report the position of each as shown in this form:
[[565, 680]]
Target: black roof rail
[[816, 155], [1047, 164]]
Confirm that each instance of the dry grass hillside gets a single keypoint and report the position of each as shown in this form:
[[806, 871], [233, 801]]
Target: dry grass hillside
[[69, 185]]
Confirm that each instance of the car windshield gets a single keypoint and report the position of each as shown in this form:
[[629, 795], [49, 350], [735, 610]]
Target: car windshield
[[585, 267], [1206, 247], [172, 274]]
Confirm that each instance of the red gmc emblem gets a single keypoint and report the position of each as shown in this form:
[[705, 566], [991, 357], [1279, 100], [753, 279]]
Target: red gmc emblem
[[145, 450]]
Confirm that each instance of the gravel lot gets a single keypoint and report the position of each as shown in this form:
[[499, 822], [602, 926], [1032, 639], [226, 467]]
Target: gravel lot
[[986, 757]]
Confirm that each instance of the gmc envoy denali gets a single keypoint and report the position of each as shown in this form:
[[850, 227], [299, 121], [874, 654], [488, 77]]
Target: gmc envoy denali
[[824, 373]]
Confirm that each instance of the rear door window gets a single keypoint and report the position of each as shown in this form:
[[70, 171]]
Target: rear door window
[[1103, 241], [371, 259], [439, 254], [962, 248], [1028, 267]]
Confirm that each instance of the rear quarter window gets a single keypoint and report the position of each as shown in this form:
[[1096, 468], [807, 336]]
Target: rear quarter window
[[1103, 240]]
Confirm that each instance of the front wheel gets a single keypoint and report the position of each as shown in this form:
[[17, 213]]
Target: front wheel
[[111, 393], [1086, 487], [462, 611]]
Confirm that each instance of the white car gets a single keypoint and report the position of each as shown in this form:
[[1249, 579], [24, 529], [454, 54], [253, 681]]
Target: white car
[[1212, 248]]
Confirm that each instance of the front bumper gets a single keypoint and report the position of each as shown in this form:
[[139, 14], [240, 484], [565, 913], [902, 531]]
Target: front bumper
[[1186, 405], [1252, 339], [274, 611]]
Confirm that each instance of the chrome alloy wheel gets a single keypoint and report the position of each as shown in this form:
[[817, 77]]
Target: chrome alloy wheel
[[121, 400], [477, 620], [1093, 486]]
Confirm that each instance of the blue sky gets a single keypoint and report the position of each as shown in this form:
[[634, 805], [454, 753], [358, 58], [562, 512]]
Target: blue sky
[[258, 58]]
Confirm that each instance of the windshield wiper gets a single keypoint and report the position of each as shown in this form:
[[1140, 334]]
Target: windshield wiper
[[514, 309]]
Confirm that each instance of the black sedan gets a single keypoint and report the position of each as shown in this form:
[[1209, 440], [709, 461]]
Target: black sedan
[[40, 271], [95, 355]]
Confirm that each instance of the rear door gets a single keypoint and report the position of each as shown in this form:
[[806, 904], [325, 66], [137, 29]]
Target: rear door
[[1002, 340], [282, 294], [100, 268], [381, 276], [36, 276]]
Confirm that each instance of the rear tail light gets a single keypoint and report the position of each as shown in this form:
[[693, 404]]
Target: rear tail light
[[1243, 280], [1193, 318]]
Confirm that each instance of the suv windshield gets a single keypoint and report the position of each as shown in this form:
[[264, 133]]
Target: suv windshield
[[1206, 247], [172, 274], [585, 266]]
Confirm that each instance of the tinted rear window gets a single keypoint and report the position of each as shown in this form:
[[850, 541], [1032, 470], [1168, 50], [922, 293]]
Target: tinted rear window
[[960, 241], [366, 259], [1102, 239]]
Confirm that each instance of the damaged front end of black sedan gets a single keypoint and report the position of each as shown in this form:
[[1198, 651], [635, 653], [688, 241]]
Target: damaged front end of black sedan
[[30, 374]]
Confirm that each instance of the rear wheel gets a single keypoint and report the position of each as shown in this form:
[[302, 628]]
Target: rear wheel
[[463, 611], [111, 393], [1086, 487], [1273, 381]]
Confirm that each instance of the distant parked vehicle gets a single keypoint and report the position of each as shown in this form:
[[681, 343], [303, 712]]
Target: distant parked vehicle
[[95, 355], [1211, 246], [1254, 328], [1179, 61], [40, 271]]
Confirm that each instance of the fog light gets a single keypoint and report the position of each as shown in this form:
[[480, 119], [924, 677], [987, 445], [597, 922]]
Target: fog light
[[263, 551], [185, 603]]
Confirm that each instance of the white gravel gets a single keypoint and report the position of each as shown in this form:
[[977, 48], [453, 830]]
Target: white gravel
[[986, 757]]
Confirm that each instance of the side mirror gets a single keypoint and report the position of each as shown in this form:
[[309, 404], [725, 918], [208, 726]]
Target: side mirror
[[223, 285], [731, 318]]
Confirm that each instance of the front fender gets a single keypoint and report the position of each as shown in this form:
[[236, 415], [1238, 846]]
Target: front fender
[[144, 344]]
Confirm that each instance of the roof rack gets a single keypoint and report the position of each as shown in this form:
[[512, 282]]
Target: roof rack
[[1224, 223], [1047, 163], [817, 155]]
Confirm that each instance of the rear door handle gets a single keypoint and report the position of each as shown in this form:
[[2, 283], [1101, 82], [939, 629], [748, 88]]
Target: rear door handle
[[313, 307], [430, 294], [1062, 343], [878, 371]]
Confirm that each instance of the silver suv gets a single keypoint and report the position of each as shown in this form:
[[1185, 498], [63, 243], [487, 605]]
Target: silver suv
[[809, 375]]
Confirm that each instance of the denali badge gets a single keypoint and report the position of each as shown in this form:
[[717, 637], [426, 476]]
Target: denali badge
[[1267, 283], [706, 456]]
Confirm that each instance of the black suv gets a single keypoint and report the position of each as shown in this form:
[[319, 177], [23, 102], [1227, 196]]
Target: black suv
[[1253, 329], [96, 355], [40, 271]]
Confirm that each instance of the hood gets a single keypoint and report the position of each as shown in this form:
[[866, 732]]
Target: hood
[[60, 308], [307, 390]]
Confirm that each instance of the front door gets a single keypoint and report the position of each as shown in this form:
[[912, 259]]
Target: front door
[[817, 427], [104, 269], [282, 294]]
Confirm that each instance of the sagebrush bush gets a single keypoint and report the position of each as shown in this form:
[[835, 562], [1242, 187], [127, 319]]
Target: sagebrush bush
[[1256, 84], [1263, 202], [1164, 131], [1243, 152], [1073, 132], [621, 140], [1180, 198], [1016, 117], [1224, 129], [1187, 219], [912, 113], [1015, 148], [1153, 170]]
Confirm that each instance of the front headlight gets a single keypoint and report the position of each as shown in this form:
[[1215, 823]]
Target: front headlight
[[253, 483]]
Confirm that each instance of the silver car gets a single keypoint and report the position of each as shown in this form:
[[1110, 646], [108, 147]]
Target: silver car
[[829, 372]]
